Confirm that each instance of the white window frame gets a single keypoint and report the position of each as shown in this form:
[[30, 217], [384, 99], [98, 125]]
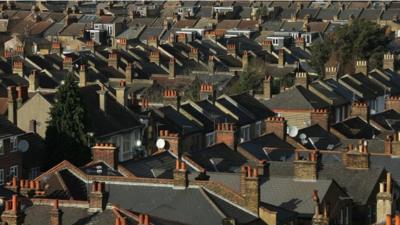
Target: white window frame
[[210, 139], [257, 129], [13, 144], [245, 133], [14, 171]]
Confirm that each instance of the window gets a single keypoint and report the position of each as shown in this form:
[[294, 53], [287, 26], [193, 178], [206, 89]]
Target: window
[[210, 139], [13, 144], [14, 171], [34, 172], [258, 129], [1, 176], [245, 133]]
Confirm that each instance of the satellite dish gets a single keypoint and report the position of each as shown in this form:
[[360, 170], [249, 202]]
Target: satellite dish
[[139, 143], [292, 131], [160, 143], [302, 136], [23, 146]]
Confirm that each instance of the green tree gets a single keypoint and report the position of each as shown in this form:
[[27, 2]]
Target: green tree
[[250, 78], [360, 39], [66, 132]]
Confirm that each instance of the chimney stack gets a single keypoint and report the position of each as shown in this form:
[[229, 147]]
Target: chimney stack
[[172, 141], [211, 65], [56, 48], [281, 58], [392, 144], [300, 43], [321, 117], [153, 41], [55, 214], [245, 60], [107, 153], [120, 93], [302, 79], [393, 102], [143, 219], [361, 110], [171, 97], [12, 214], [306, 168], [67, 63], [172, 68], [362, 67], [91, 45], [276, 125], [206, 90], [331, 72], [33, 81], [83, 76], [357, 158], [194, 54], [180, 175], [250, 188], [103, 99], [231, 49], [22, 95], [267, 45], [182, 38], [226, 133], [129, 73], [388, 61], [319, 218], [122, 43], [18, 67], [97, 197], [267, 87], [12, 104], [155, 57], [384, 200], [113, 60]]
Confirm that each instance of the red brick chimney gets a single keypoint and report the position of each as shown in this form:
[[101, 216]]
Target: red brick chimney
[[226, 133], [55, 214], [107, 153], [153, 41], [91, 45], [180, 175], [267, 45], [392, 144], [249, 188], [113, 60], [22, 95], [171, 97], [360, 109], [155, 57], [211, 65], [231, 49], [97, 197], [144, 219], [320, 117], [182, 37], [206, 90], [122, 43], [393, 102], [276, 125], [12, 214], [357, 158], [144, 103], [172, 141], [306, 168], [56, 48], [18, 67], [67, 63]]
